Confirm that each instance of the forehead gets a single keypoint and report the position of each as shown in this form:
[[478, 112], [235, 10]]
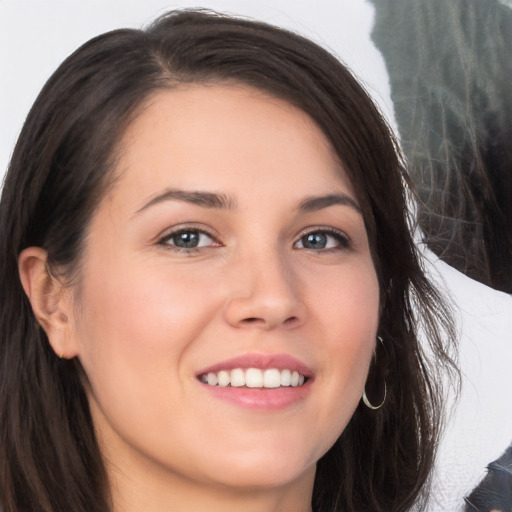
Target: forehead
[[221, 135]]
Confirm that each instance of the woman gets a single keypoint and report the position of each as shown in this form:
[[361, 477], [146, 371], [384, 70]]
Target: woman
[[204, 234]]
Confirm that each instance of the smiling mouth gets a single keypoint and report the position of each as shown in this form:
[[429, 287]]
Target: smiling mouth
[[254, 378]]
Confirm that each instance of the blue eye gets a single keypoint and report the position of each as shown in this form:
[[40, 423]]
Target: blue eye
[[314, 241], [321, 240], [188, 239]]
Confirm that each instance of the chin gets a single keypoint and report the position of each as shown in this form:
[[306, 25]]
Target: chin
[[260, 471], [260, 479]]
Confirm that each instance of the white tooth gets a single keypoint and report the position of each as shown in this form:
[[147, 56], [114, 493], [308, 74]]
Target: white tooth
[[223, 378], [203, 378], [271, 378], [295, 379], [212, 379], [286, 378], [254, 378], [237, 378], [301, 380]]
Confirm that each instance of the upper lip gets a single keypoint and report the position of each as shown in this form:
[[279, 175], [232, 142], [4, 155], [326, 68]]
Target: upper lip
[[261, 361]]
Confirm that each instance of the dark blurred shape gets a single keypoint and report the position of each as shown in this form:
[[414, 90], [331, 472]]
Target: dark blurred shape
[[494, 493], [450, 66]]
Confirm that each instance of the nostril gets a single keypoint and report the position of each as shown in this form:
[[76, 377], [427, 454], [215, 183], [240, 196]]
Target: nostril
[[252, 320], [256, 320]]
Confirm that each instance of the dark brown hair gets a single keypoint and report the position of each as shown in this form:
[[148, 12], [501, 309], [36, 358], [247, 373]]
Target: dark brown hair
[[63, 163]]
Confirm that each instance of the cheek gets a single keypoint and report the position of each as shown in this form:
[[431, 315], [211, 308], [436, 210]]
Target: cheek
[[140, 305], [355, 313], [347, 314], [138, 321], [136, 330], [348, 305]]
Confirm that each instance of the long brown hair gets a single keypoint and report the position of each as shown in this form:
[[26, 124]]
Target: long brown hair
[[61, 167]]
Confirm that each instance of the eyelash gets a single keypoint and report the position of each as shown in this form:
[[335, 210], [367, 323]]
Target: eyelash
[[164, 241], [342, 241]]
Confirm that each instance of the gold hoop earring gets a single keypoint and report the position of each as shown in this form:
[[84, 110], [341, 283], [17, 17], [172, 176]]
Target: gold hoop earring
[[374, 407]]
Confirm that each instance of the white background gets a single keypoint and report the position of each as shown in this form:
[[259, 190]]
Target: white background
[[36, 35]]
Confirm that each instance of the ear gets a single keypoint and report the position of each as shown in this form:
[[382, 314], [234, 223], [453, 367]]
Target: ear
[[51, 301]]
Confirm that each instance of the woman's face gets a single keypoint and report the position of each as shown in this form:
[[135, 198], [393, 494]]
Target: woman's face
[[230, 249]]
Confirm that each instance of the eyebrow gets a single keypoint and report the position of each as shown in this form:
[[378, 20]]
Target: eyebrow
[[203, 199], [313, 204], [224, 202]]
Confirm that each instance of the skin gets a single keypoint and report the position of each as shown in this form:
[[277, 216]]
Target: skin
[[146, 317]]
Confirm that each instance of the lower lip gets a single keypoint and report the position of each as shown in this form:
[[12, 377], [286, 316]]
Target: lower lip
[[269, 399]]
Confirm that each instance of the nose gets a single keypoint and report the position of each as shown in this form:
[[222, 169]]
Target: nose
[[265, 294]]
